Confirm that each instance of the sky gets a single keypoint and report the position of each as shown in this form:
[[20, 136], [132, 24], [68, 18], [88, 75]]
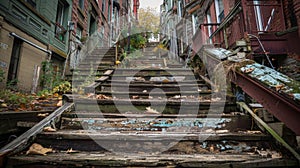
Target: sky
[[151, 3]]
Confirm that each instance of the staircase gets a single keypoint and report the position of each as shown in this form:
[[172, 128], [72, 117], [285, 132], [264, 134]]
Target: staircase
[[150, 115]]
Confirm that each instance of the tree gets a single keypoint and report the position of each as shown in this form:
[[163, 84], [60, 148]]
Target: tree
[[149, 21]]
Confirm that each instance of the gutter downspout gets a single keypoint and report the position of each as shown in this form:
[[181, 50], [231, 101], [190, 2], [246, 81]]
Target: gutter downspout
[[32, 44]]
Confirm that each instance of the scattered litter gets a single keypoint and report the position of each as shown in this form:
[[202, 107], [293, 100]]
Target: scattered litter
[[144, 91], [37, 149]]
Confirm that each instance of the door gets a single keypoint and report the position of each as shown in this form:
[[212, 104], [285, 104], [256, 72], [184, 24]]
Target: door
[[14, 62]]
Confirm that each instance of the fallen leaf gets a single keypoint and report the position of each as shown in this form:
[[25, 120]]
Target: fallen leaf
[[90, 95], [279, 87], [275, 155], [151, 111], [176, 97], [49, 129], [22, 106], [69, 151], [254, 132], [135, 97], [222, 131], [59, 104], [3, 105], [211, 149], [140, 79], [262, 153], [38, 149], [165, 81], [249, 70], [43, 114], [101, 96]]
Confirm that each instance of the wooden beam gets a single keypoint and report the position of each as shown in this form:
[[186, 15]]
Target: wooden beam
[[270, 130]]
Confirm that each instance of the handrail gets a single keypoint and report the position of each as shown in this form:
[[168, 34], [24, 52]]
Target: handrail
[[22, 141], [116, 44]]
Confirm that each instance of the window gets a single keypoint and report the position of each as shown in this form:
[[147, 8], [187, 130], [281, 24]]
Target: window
[[208, 17], [195, 23], [258, 16], [31, 3], [81, 4], [93, 26], [79, 32], [60, 31], [179, 8], [219, 10], [103, 6], [109, 15]]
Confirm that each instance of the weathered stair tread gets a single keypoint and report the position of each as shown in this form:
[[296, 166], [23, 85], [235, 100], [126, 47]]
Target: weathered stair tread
[[158, 82], [148, 135], [83, 159], [157, 93], [128, 115], [149, 101], [167, 85]]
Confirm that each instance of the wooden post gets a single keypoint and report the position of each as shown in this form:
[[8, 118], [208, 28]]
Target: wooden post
[[270, 130], [36, 76]]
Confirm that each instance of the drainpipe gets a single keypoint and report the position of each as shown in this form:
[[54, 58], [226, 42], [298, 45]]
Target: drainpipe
[[31, 43]]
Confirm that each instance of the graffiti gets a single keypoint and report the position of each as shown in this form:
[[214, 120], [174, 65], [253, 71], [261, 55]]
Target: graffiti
[[3, 46], [3, 64]]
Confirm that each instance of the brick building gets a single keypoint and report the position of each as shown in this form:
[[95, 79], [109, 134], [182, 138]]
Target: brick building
[[37, 31], [259, 28]]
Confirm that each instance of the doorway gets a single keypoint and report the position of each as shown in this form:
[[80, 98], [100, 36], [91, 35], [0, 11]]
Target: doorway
[[14, 62]]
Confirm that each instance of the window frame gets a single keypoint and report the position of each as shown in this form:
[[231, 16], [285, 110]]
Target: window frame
[[219, 7]]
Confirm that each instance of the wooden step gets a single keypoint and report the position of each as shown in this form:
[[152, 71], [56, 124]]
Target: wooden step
[[106, 159], [150, 123]]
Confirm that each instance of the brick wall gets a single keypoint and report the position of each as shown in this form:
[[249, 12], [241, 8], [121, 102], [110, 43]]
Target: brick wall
[[80, 16]]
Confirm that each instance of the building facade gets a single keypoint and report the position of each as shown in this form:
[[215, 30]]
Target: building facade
[[261, 29], [36, 31], [32, 32]]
